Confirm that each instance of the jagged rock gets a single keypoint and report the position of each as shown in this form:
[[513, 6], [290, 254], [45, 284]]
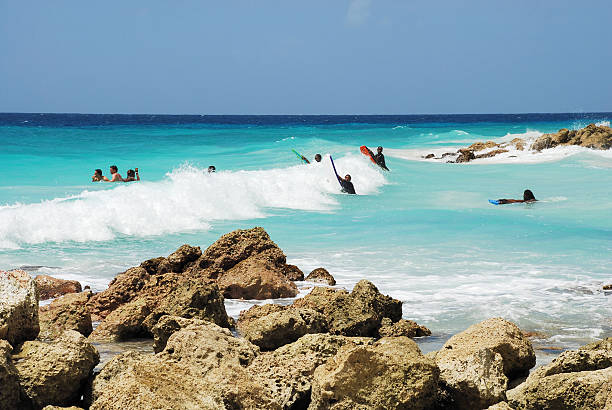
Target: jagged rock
[[50, 287], [429, 156], [202, 367], [321, 275], [391, 374], [18, 307], [257, 311], [152, 265], [403, 327], [53, 373], [287, 371], [479, 146], [607, 287], [256, 278], [491, 154], [358, 313], [123, 288], [476, 364], [502, 405], [518, 143], [178, 260], [124, 323], [61, 408], [465, 155], [591, 136], [68, 312], [279, 328], [9, 383], [168, 325], [293, 273]]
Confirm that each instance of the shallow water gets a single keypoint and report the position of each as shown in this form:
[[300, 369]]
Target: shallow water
[[423, 233]]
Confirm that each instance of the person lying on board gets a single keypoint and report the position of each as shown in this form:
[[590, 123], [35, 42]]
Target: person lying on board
[[132, 176], [527, 197], [379, 158], [347, 185], [318, 158], [97, 176]]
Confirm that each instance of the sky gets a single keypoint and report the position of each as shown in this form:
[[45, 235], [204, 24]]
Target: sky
[[305, 57]]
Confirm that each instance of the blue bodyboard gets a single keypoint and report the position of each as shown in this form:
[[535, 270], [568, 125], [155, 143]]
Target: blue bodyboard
[[494, 202]]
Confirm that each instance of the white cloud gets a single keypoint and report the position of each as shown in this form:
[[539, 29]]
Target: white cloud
[[358, 12]]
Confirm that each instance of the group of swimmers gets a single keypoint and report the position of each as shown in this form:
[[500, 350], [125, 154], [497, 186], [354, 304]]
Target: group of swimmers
[[132, 175]]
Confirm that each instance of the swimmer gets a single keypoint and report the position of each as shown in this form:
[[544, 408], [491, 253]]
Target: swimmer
[[318, 158], [347, 185], [97, 176], [212, 168], [116, 177], [132, 175], [527, 197]]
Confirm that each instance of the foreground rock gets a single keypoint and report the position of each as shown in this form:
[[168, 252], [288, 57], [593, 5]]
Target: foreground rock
[[256, 279], [50, 287], [591, 136], [124, 288], [403, 327], [321, 275], [18, 307], [476, 364], [124, 323], [391, 374], [9, 382], [55, 373], [576, 379], [287, 372], [293, 273], [203, 366], [68, 312]]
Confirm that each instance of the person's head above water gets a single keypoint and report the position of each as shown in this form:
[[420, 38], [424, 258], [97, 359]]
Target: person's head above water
[[98, 172], [212, 168], [318, 157], [131, 173], [113, 169], [347, 177], [528, 195], [379, 150]]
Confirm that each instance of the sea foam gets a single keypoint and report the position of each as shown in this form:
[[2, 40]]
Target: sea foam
[[188, 199]]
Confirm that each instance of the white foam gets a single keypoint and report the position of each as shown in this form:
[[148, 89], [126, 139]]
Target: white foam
[[188, 199]]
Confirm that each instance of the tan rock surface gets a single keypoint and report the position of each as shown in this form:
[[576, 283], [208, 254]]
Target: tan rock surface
[[68, 312], [9, 382], [256, 279], [321, 275], [18, 307], [124, 323], [123, 288], [50, 287], [591, 136], [402, 327]]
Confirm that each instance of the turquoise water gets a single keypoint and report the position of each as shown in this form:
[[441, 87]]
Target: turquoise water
[[423, 233]]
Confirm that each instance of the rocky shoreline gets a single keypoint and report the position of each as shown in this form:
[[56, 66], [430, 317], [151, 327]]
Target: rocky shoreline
[[331, 349], [591, 136]]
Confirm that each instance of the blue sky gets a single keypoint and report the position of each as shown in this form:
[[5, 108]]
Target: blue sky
[[310, 57]]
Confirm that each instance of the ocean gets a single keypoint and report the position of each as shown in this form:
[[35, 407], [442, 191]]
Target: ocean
[[423, 233]]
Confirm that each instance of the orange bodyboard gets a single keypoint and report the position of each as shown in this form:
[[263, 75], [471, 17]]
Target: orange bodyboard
[[365, 151]]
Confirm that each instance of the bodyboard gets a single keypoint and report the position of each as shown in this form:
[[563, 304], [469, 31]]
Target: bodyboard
[[334, 166], [300, 156], [365, 151], [494, 202]]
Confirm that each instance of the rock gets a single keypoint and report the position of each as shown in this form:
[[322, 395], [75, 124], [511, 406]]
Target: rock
[[591, 136], [168, 325], [123, 288], [18, 307], [429, 156], [403, 327], [61, 408], [321, 275], [152, 265], [9, 383], [202, 367], [465, 155], [257, 311], [391, 374], [68, 312], [287, 371], [124, 323], [256, 279], [518, 143], [448, 154], [479, 146], [502, 405], [178, 260], [491, 154], [50, 287], [476, 364], [358, 313], [293, 273], [607, 287], [53, 373], [576, 390], [279, 328]]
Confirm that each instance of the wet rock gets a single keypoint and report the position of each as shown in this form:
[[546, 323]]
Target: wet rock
[[321, 275], [178, 260], [607, 287], [465, 155], [518, 143], [476, 364], [358, 313], [18, 307], [50, 287], [288, 370], [479, 146], [279, 328], [293, 273], [68, 312], [152, 265], [256, 279], [591, 136], [402, 327], [53, 373], [124, 323], [123, 288], [491, 154], [9, 383], [448, 154], [391, 374], [428, 156]]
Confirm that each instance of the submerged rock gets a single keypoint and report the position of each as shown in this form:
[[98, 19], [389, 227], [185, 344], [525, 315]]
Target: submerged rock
[[68, 312], [321, 275], [18, 307], [391, 374], [54, 373], [50, 287]]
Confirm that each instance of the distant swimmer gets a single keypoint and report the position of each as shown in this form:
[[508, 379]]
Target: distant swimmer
[[318, 157], [132, 175], [116, 177], [97, 176], [527, 197], [212, 168]]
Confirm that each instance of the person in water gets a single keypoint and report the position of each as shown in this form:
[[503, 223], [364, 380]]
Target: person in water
[[116, 177], [347, 185], [379, 158], [132, 175], [212, 168], [318, 158], [527, 197], [97, 176]]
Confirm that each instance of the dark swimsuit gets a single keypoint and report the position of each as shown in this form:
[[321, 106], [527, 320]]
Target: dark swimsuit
[[380, 160], [347, 186]]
